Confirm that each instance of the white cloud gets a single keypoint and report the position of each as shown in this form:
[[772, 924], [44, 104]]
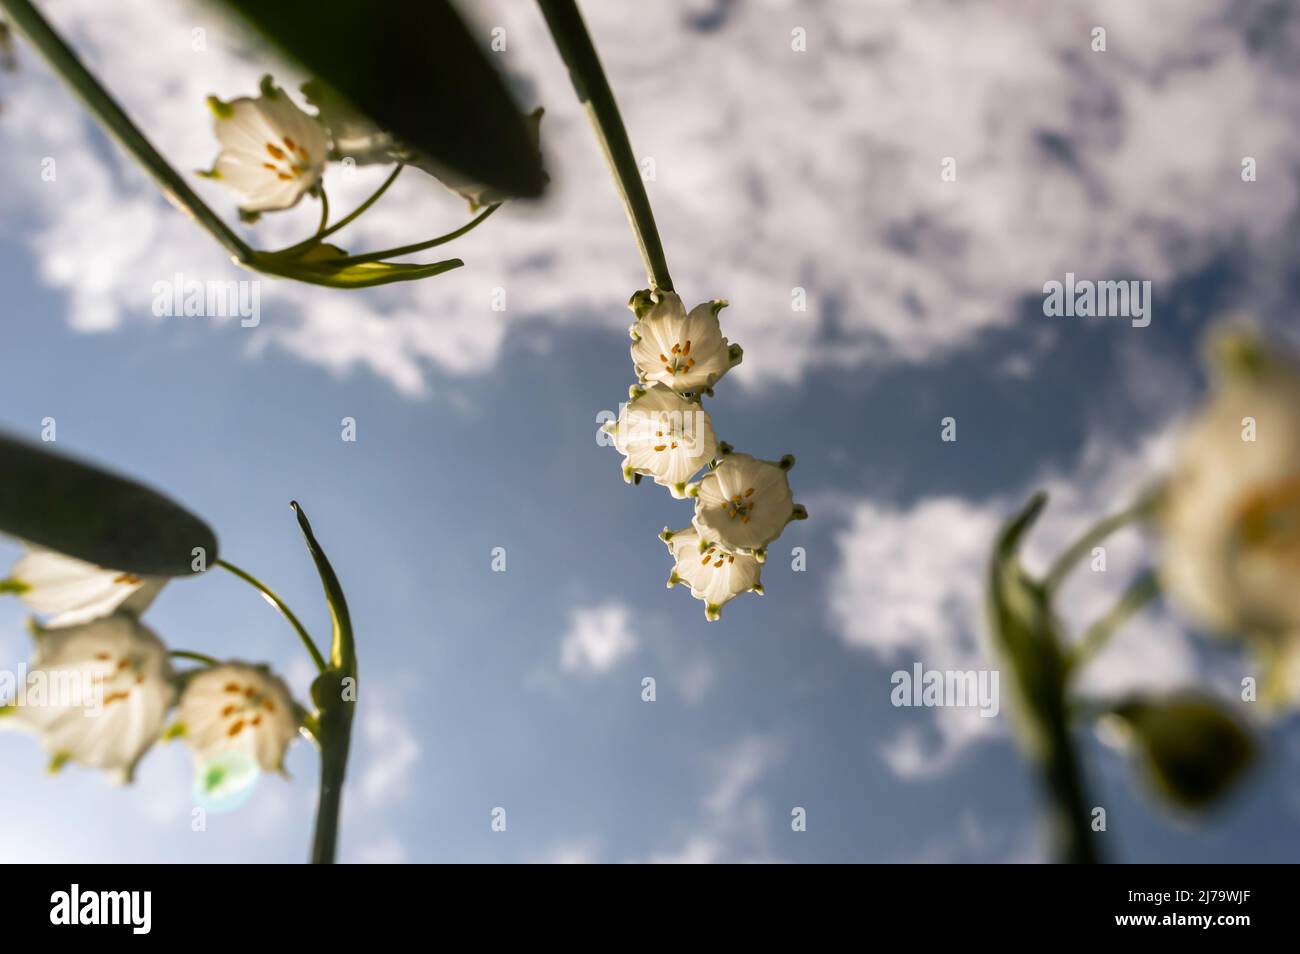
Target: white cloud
[[390, 750], [774, 169], [598, 640]]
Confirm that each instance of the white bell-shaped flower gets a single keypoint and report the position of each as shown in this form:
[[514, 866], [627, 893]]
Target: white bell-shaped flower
[[68, 591], [685, 352], [664, 436], [238, 707], [713, 574], [743, 503]]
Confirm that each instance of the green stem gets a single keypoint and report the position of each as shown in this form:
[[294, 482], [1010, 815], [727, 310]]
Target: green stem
[[418, 246], [347, 220], [334, 693], [324, 212], [194, 657], [1139, 593], [104, 108], [280, 605], [1099, 531], [579, 55]]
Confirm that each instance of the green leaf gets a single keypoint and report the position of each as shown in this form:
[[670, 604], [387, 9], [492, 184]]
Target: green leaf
[[1193, 748], [88, 513], [327, 265], [1020, 620], [415, 71]]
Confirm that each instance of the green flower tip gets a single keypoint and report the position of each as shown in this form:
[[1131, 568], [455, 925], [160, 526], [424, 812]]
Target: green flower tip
[[16, 587], [680, 489], [665, 534], [760, 555], [673, 579], [717, 305], [629, 475], [267, 87], [786, 462], [757, 588], [7, 709], [635, 391], [735, 354], [641, 302], [1237, 353], [800, 512], [57, 761], [219, 109], [712, 612], [174, 731], [724, 449]]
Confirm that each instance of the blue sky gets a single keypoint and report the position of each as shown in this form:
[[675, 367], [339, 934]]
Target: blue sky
[[477, 430]]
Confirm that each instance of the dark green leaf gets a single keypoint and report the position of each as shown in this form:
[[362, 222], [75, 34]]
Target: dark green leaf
[[56, 502], [415, 70], [1194, 749]]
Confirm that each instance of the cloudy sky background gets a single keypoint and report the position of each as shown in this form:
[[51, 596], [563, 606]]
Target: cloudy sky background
[[775, 170]]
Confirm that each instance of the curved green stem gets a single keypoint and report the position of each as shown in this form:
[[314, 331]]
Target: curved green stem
[[194, 657], [280, 605], [104, 108], [1099, 531], [324, 233], [579, 55], [1134, 599], [418, 246], [324, 212]]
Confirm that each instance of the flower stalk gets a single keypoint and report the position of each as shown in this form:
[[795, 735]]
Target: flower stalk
[[589, 82]]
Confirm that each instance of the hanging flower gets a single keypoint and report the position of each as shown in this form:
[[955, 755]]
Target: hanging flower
[[1230, 516], [685, 352], [743, 503], [69, 591], [272, 152], [714, 575], [664, 436], [238, 707], [96, 693]]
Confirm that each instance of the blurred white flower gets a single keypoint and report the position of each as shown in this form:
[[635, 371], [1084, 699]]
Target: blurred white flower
[[686, 352], [664, 436], [1230, 515], [70, 591], [237, 707], [714, 575], [743, 503], [97, 694], [272, 152]]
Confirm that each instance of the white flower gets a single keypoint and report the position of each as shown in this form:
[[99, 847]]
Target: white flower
[[97, 693], [686, 352], [272, 152], [70, 591], [1230, 516], [744, 504], [664, 436], [237, 707], [714, 575]]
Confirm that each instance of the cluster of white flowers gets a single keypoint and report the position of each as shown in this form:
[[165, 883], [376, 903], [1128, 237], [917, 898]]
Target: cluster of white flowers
[[273, 153], [663, 432], [92, 636]]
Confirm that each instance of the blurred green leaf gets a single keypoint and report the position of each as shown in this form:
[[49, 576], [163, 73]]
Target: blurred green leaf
[[414, 70], [60, 503], [1193, 748], [1020, 617], [327, 265]]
